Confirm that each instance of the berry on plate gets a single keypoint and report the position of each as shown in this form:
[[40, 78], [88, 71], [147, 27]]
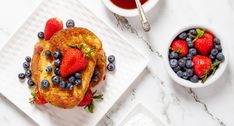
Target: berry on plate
[[88, 100], [73, 61], [52, 26], [37, 98], [180, 46]]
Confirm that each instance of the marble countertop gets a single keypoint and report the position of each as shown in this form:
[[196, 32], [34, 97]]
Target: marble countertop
[[176, 105]]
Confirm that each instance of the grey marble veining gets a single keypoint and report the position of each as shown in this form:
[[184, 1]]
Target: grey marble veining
[[177, 105]]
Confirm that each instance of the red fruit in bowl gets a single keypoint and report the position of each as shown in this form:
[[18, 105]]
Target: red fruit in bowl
[[204, 44], [202, 65], [73, 61], [180, 46], [52, 25]]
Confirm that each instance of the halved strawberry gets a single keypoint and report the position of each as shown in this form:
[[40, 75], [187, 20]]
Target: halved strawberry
[[204, 44], [180, 46], [73, 61], [37, 98], [88, 100], [52, 25]]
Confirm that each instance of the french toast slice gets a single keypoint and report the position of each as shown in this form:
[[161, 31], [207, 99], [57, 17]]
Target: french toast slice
[[63, 40]]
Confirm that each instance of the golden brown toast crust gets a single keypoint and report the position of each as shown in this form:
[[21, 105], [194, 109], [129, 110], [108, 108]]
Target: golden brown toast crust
[[62, 40]]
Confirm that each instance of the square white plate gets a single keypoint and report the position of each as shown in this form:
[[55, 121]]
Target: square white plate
[[129, 64], [136, 117]]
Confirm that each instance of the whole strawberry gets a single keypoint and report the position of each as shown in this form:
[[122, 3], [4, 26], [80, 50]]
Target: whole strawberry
[[204, 44], [88, 100], [52, 25], [180, 46], [73, 61], [37, 98], [202, 65]]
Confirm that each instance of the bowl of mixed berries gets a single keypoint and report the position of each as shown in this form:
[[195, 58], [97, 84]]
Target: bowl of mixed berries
[[196, 57]]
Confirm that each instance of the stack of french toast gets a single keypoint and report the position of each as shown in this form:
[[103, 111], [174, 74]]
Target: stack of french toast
[[66, 64]]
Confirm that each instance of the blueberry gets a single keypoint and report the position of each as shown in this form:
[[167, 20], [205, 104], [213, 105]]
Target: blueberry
[[185, 58], [173, 55], [182, 62], [48, 69], [70, 23], [193, 32], [72, 79], [57, 62], [28, 59], [111, 67], [194, 79], [57, 71], [179, 73], [193, 51], [214, 52], [94, 79], [96, 72], [183, 35], [189, 72], [78, 82], [190, 44], [26, 65], [173, 63], [185, 75], [44, 84], [111, 58], [77, 75], [55, 79], [212, 57], [69, 86], [62, 84], [40, 35], [176, 69], [30, 82], [220, 57], [218, 47], [47, 53], [28, 74], [188, 39], [189, 56], [189, 64], [21, 76], [57, 54], [217, 41]]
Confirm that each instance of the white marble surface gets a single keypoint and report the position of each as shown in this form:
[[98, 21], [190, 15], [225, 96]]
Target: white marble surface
[[177, 105]]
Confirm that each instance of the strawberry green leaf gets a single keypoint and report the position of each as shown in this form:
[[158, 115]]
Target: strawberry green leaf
[[214, 70], [204, 78], [216, 64], [191, 36], [94, 92], [91, 107], [98, 97], [88, 54], [200, 32]]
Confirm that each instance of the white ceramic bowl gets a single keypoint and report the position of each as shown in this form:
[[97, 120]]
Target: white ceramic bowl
[[211, 79], [129, 12]]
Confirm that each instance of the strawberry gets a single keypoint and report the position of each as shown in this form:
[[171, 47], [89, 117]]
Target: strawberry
[[52, 25], [204, 44], [88, 100], [202, 65], [73, 61], [180, 46], [37, 98]]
